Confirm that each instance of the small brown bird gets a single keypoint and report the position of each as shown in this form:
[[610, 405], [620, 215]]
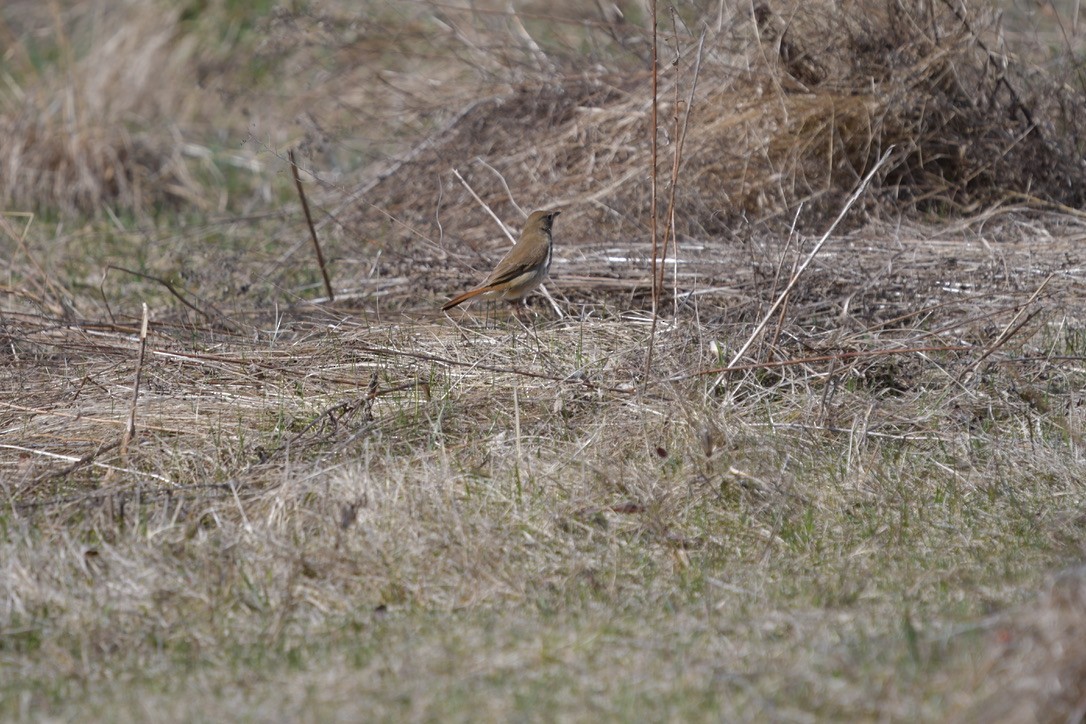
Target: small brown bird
[[523, 269]]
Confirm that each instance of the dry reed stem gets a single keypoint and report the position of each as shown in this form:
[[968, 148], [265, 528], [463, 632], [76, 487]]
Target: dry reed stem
[[833, 359], [312, 231], [654, 212], [130, 428]]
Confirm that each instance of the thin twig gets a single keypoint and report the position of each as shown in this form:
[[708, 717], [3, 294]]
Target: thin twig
[[652, 200], [130, 430], [678, 162], [504, 184], [501, 224], [807, 261], [776, 278], [68, 469], [218, 316], [516, 432], [676, 149], [678, 144], [170, 493], [829, 386], [659, 255], [312, 229], [78, 462], [1009, 330]]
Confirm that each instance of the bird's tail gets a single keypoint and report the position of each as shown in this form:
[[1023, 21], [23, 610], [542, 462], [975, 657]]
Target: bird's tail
[[461, 298]]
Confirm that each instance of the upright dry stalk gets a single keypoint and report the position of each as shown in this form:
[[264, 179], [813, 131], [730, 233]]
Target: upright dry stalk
[[520, 452], [682, 121], [652, 203], [312, 229], [130, 429], [680, 139]]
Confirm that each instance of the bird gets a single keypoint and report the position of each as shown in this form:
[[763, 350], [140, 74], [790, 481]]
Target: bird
[[523, 269]]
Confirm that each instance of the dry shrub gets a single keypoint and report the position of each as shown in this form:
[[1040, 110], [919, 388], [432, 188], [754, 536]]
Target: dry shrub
[[794, 104], [96, 129]]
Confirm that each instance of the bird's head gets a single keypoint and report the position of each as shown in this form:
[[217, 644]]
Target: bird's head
[[542, 220]]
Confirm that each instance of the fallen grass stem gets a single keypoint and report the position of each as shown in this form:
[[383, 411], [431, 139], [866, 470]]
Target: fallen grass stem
[[492, 368], [217, 316], [87, 459], [821, 358], [971, 320], [73, 459], [88, 418], [169, 493], [1000, 341]]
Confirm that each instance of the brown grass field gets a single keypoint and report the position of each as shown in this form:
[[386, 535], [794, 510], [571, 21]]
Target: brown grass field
[[797, 431]]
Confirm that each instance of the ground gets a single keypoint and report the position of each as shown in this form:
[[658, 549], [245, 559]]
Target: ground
[[830, 470]]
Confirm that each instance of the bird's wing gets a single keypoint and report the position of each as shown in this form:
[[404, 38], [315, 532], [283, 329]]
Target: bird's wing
[[517, 262]]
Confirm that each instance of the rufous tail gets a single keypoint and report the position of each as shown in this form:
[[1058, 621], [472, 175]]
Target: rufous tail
[[461, 298]]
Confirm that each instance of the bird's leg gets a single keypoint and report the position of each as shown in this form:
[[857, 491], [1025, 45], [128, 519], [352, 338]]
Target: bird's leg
[[519, 309], [518, 306]]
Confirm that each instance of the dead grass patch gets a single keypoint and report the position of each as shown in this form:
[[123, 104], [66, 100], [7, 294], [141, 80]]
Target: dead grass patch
[[75, 136], [791, 111], [1035, 664], [369, 509]]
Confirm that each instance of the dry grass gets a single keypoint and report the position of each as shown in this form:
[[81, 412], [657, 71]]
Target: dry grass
[[764, 149], [67, 130], [1035, 668], [370, 510]]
